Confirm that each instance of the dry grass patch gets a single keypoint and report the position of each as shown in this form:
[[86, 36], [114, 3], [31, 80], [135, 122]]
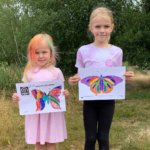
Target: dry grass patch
[[11, 125], [129, 131], [143, 80]]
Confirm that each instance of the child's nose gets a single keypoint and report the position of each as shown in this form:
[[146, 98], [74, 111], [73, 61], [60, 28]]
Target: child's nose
[[101, 29], [41, 55]]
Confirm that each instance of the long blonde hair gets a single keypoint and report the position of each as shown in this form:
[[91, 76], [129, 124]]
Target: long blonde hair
[[104, 12], [34, 42]]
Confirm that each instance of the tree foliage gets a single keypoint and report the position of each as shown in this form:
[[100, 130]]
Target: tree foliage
[[67, 22], [146, 5], [134, 38]]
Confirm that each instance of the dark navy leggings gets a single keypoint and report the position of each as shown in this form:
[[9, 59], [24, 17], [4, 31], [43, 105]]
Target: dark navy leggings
[[97, 117]]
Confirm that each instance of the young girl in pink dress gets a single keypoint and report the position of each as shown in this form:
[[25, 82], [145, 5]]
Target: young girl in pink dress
[[46, 129]]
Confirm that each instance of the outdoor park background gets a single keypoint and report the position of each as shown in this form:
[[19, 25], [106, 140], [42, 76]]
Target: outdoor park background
[[67, 22]]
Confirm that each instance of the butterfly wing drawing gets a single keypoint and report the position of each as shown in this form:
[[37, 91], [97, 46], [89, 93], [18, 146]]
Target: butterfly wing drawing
[[53, 97], [38, 95], [42, 98], [109, 82], [93, 83], [101, 84]]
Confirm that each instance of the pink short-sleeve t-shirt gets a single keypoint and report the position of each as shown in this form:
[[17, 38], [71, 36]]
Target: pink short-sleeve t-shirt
[[91, 56]]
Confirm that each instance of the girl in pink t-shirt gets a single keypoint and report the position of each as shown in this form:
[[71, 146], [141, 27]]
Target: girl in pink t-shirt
[[98, 114], [46, 129]]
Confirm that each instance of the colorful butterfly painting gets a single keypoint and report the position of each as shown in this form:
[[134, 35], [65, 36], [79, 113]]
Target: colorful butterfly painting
[[101, 84], [42, 98]]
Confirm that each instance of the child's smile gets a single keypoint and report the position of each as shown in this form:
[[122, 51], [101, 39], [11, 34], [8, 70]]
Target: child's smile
[[101, 28], [42, 55]]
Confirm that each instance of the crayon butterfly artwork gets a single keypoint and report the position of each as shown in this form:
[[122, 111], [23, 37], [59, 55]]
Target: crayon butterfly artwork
[[42, 98], [101, 84]]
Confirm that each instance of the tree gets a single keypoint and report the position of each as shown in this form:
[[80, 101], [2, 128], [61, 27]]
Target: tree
[[67, 22], [9, 22], [146, 5]]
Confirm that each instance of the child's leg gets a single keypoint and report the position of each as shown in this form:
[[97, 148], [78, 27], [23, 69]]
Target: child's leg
[[106, 111], [50, 146], [38, 146], [90, 116]]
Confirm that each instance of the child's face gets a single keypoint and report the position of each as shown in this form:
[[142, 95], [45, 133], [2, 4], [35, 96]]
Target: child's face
[[101, 28], [42, 53]]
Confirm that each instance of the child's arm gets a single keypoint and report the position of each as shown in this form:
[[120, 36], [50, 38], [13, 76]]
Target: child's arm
[[15, 97], [129, 75], [74, 80], [66, 93]]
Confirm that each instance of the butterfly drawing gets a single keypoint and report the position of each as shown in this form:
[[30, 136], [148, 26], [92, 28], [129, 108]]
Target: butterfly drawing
[[101, 84], [42, 98]]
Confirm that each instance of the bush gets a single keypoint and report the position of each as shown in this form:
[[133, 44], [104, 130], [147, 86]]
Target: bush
[[9, 76], [67, 22], [134, 38]]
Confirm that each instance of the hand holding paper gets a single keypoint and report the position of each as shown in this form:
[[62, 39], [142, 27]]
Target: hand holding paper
[[15, 97], [66, 93], [129, 75], [74, 80]]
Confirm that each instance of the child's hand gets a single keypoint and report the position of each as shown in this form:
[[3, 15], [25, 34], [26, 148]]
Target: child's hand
[[129, 75], [74, 80], [66, 93], [15, 97]]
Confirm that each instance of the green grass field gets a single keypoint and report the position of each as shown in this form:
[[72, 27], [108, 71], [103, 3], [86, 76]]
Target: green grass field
[[130, 128]]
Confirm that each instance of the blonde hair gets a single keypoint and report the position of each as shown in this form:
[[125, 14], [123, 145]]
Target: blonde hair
[[34, 42], [105, 12]]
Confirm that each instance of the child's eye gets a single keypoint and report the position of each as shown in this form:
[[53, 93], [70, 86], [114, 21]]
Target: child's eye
[[97, 26], [36, 52], [45, 52], [106, 26]]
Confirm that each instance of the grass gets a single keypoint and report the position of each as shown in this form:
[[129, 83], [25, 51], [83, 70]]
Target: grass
[[130, 128]]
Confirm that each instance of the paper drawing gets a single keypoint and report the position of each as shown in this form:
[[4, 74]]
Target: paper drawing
[[42, 98], [105, 83], [101, 84]]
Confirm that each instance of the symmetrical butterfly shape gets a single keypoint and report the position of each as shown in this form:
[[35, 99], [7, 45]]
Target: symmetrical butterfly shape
[[52, 97], [101, 84]]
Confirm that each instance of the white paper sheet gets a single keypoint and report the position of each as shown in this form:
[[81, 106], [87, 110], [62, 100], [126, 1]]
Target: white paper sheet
[[93, 88], [29, 97]]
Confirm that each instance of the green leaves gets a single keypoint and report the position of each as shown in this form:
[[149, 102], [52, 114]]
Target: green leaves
[[134, 38], [67, 22]]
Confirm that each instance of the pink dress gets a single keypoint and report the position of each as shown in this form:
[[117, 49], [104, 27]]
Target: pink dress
[[46, 127]]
